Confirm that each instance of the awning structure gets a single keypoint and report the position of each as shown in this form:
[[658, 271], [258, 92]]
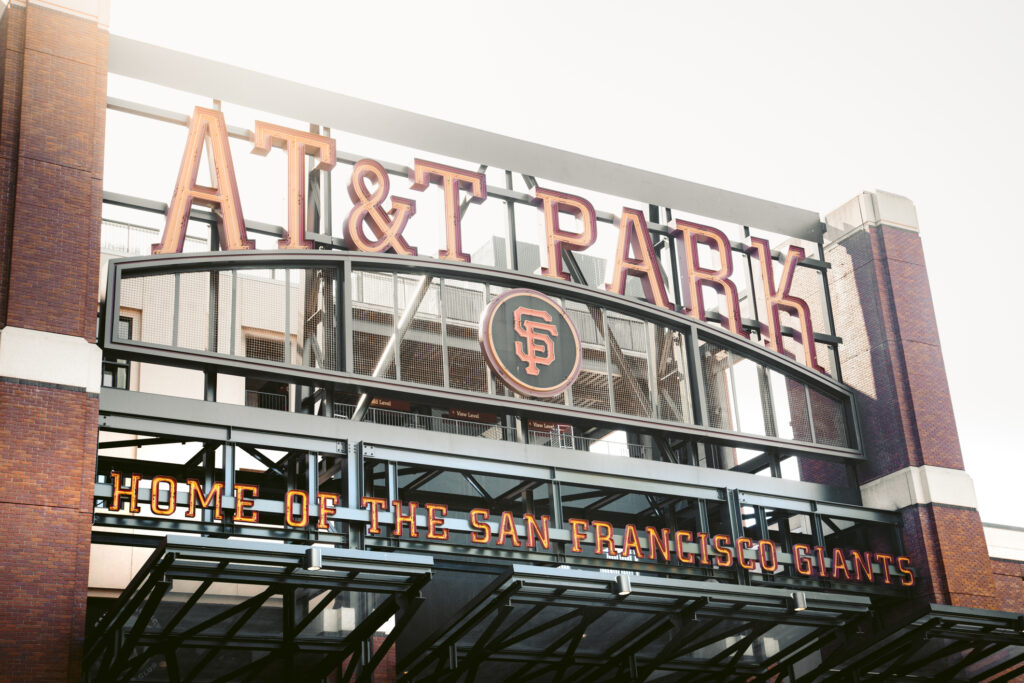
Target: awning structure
[[206, 609], [537, 624], [942, 643]]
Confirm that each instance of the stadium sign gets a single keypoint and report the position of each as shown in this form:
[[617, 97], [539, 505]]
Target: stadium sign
[[378, 222]]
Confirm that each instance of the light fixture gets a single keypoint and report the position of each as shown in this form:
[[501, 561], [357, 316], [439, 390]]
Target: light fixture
[[622, 586], [313, 559], [799, 601]]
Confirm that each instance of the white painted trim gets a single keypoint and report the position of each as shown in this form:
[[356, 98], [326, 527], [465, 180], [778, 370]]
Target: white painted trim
[[1005, 543], [50, 358], [95, 10], [920, 486]]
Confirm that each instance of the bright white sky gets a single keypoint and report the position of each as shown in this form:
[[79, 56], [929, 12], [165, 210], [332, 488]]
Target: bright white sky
[[804, 103]]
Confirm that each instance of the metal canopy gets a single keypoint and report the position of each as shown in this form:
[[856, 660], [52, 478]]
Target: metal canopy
[[535, 624], [942, 643], [204, 609]]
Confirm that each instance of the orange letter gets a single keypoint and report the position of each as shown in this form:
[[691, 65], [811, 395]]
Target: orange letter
[[775, 299], [839, 564], [195, 490], [325, 508], [477, 523], [742, 544], [702, 541], [435, 524], [242, 503], [400, 519], [634, 236], [224, 197], [451, 179], [802, 560], [862, 566], [375, 506], [507, 529], [289, 508], [903, 564], [721, 544], [685, 558], [769, 560], [602, 535], [535, 533], [298, 144], [387, 226], [578, 533], [689, 235], [657, 544], [154, 496], [131, 493], [554, 203], [884, 561]]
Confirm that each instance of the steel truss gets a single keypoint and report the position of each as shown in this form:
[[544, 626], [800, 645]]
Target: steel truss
[[192, 610], [534, 623], [356, 459], [939, 643]]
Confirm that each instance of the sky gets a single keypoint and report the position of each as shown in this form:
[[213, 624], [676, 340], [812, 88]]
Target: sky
[[802, 103]]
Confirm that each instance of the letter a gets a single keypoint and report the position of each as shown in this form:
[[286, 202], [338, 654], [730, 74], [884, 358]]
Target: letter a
[[205, 123]]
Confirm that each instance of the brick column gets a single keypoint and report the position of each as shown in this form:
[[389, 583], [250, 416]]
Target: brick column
[[53, 73], [891, 357]]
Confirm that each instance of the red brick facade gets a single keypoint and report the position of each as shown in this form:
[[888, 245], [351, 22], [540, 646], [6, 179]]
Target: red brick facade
[[891, 356], [53, 90]]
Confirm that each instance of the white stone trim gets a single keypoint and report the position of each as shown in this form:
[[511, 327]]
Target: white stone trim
[[920, 486], [50, 358], [1004, 543], [95, 10], [869, 209]]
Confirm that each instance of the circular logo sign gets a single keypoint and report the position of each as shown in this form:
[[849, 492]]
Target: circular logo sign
[[530, 343]]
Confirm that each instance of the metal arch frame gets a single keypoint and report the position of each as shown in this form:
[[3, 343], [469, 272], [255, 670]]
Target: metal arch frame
[[690, 328]]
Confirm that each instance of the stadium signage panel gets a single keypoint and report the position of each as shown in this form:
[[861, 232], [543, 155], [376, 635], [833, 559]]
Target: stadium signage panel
[[429, 522], [531, 343], [379, 219]]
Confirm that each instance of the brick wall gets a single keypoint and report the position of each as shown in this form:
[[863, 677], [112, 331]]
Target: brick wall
[[891, 357], [52, 94]]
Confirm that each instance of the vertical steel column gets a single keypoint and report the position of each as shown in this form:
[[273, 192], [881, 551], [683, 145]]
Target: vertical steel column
[[353, 492], [444, 330], [228, 454], [833, 348], [511, 239]]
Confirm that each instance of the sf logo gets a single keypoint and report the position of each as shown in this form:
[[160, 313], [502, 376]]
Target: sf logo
[[538, 347]]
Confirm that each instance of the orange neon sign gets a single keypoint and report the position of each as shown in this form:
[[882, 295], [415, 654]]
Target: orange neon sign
[[370, 227]]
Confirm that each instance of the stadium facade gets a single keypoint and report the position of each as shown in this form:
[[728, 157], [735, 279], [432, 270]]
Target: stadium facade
[[395, 435]]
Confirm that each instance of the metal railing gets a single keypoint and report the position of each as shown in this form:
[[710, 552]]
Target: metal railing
[[558, 439], [264, 399], [431, 423]]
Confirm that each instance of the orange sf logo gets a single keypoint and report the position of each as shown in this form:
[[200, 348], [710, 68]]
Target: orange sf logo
[[539, 348]]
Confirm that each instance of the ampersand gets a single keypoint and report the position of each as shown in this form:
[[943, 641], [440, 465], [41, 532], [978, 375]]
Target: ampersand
[[386, 226]]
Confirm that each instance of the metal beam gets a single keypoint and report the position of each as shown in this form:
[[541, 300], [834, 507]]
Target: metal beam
[[267, 93]]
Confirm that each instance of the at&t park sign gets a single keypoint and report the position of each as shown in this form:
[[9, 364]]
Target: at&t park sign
[[378, 222]]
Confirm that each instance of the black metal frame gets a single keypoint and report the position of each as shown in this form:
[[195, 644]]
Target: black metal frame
[[333, 381], [126, 638], [680, 618]]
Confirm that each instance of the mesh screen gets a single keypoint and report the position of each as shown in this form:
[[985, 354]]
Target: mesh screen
[[627, 339], [715, 362], [799, 418], [463, 305], [829, 420], [420, 354], [590, 390], [372, 322], [193, 307], [155, 296], [317, 324], [673, 396]]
